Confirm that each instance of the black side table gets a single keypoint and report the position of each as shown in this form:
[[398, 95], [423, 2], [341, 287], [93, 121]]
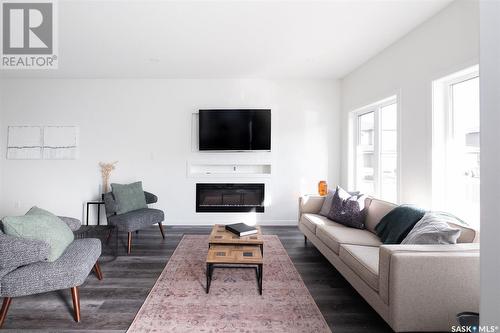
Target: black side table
[[102, 232], [98, 203]]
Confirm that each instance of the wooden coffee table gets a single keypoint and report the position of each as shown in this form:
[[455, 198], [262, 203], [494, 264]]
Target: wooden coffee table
[[220, 236], [226, 248]]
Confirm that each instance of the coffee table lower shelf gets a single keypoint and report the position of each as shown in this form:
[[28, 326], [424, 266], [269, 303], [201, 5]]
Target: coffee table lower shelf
[[234, 256]]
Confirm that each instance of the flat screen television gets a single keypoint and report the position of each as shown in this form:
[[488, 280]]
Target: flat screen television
[[238, 129]]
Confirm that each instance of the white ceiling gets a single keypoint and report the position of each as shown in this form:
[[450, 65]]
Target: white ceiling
[[227, 39]]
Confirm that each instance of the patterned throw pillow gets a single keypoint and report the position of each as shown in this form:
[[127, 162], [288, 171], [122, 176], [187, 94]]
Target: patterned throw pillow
[[348, 209], [433, 228], [327, 203]]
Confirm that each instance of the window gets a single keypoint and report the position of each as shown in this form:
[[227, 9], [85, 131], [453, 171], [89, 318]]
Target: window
[[375, 157], [456, 149]]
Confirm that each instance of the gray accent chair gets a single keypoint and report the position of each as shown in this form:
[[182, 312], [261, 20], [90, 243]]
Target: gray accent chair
[[134, 220], [23, 270]]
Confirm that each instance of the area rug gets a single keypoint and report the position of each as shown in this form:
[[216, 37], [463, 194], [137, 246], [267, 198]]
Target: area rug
[[178, 302]]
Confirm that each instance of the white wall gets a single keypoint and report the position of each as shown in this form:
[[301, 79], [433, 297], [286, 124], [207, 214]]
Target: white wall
[[146, 126], [447, 42], [490, 162]]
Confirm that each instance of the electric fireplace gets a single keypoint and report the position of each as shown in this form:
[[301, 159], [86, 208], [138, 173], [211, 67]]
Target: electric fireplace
[[229, 197]]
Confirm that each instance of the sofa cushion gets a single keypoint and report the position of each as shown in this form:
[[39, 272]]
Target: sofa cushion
[[311, 221], [363, 260], [376, 210], [333, 234], [136, 219]]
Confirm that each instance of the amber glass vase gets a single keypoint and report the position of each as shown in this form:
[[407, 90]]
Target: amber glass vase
[[322, 187]]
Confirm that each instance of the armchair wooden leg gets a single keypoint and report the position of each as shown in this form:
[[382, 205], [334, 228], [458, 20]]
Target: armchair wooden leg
[[129, 244], [108, 237], [97, 270], [5, 308], [75, 294], [161, 230]]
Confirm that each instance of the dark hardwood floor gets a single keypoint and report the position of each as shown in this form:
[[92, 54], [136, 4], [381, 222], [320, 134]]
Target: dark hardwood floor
[[110, 305]]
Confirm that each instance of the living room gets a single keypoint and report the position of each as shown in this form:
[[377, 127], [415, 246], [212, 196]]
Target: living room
[[261, 113]]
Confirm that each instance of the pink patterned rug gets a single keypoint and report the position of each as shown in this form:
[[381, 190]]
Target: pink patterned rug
[[178, 302]]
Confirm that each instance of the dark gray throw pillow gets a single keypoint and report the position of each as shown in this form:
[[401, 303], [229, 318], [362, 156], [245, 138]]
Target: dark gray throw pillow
[[433, 228], [348, 209], [327, 204]]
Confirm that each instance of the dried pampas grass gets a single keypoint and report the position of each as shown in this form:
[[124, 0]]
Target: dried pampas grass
[[106, 169]]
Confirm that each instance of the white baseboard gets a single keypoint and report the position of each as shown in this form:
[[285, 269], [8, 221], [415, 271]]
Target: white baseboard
[[210, 222]]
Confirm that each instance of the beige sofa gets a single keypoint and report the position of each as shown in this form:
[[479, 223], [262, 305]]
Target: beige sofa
[[413, 287]]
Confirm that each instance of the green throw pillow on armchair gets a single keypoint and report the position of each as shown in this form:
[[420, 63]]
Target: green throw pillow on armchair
[[41, 225], [128, 197], [39, 211]]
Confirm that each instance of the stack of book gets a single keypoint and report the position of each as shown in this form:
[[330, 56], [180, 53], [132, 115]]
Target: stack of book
[[241, 229]]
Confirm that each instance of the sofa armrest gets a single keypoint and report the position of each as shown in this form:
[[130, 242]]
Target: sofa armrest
[[73, 224], [310, 204], [426, 286]]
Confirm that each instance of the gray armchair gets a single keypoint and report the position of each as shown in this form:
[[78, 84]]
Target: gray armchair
[[134, 220], [23, 270]]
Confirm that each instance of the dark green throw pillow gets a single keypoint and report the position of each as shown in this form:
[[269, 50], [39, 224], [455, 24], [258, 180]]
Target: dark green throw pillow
[[41, 225], [129, 197], [396, 225]]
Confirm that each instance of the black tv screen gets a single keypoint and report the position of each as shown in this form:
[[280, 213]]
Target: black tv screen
[[235, 130]]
